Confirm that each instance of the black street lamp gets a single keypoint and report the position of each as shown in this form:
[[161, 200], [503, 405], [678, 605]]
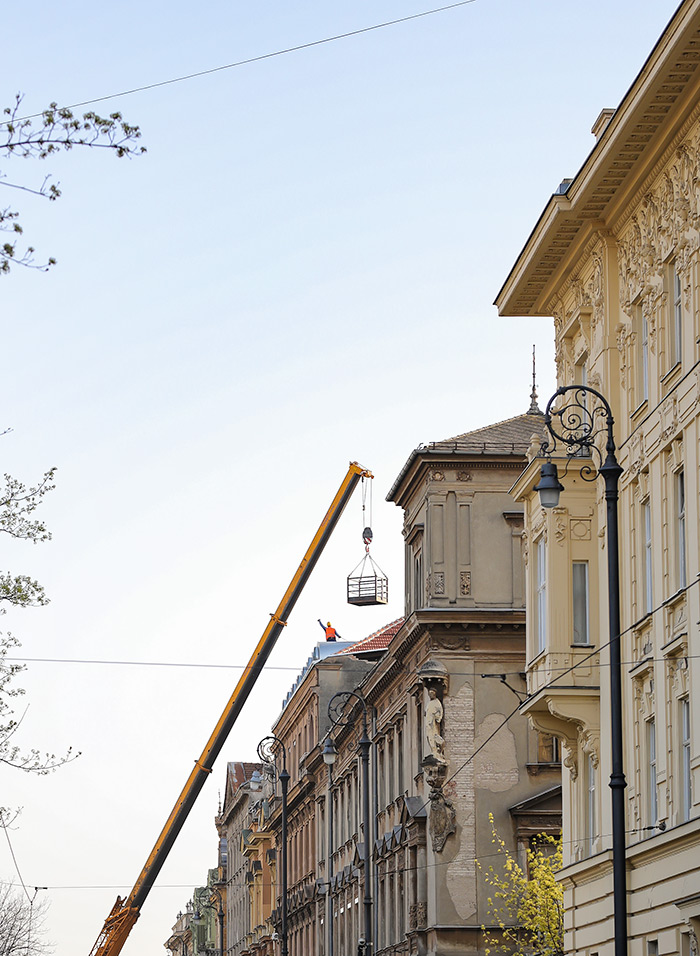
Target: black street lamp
[[219, 909], [336, 712], [268, 748], [330, 755], [577, 428]]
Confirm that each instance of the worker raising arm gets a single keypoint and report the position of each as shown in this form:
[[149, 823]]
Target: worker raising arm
[[330, 631]]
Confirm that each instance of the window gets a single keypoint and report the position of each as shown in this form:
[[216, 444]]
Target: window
[[590, 805], [548, 749], [651, 773], [399, 760], [639, 361], [676, 324], [541, 595], [681, 576], [419, 732], [644, 357], [381, 785], [390, 769], [686, 792], [418, 596], [648, 602], [580, 593]]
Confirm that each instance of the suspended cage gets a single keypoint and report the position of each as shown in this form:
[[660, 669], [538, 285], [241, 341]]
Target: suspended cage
[[367, 584]]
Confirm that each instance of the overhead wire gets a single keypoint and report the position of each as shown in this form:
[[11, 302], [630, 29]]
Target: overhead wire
[[254, 59], [272, 883]]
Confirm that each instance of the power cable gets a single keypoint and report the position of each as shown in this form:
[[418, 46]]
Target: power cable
[[297, 668], [270, 883], [255, 59]]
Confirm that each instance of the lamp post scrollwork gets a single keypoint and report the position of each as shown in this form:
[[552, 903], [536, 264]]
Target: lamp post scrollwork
[[269, 749], [580, 418], [218, 909]]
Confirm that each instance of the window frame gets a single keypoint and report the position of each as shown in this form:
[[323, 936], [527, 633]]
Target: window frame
[[686, 778], [541, 593], [652, 772], [681, 545], [585, 605], [647, 557]]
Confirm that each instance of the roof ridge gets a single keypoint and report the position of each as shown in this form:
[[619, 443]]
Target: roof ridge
[[486, 428]]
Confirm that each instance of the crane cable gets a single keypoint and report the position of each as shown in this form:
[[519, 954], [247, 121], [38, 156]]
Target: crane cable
[[367, 525]]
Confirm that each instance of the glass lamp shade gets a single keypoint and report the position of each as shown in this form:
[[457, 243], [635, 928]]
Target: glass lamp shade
[[549, 486], [256, 781], [330, 754]]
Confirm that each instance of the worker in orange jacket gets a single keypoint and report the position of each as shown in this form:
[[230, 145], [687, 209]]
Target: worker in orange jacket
[[329, 630]]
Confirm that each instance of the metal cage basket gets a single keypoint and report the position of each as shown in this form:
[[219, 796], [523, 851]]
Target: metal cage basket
[[367, 584]]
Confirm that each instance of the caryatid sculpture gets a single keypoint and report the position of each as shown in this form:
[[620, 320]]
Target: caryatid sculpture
[[433, 720]]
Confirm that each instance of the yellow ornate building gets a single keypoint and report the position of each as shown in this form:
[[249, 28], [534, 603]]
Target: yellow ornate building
[[615, 259]]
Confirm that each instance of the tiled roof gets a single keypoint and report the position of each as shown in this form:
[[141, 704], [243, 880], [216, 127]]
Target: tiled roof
[[378, 641], [507, 437], [240, 771], [511, 437]]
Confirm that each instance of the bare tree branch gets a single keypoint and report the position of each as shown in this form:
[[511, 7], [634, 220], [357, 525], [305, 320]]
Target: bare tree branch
[[59, 130]]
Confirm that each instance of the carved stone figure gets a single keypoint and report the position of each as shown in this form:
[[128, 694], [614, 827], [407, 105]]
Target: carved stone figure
[[442, 819], [433, 719]]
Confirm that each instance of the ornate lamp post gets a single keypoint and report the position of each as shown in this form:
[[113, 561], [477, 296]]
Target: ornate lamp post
[[336, 712], [268, 748], [577, 425], [330, 755], [219, 909]]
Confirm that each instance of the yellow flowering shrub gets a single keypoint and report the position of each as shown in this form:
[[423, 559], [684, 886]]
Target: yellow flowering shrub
[[526, 906]]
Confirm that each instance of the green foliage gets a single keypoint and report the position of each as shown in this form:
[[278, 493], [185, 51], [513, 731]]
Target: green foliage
[[58, 129], [525, 905]]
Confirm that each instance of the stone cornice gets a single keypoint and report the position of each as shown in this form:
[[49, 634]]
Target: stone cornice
[[650, 115]]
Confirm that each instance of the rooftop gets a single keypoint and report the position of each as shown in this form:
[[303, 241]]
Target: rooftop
[[511, 437], [378, 641]]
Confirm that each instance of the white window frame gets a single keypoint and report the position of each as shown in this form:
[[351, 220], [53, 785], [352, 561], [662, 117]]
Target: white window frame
[[648, 603], [590, 804], [682, 569], [581, 620], [676, 330], [644, 364], [686, 795], [652, 784], [541, 586]]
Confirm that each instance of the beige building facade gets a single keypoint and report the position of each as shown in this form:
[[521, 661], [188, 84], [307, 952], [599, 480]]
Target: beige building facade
[[615, 259], [447, 747]]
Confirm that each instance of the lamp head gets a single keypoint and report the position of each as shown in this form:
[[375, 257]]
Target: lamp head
[[256, 781], [330, 753], [549, 486]]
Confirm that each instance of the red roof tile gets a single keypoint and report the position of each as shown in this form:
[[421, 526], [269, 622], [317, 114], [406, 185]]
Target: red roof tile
[[378, 641]]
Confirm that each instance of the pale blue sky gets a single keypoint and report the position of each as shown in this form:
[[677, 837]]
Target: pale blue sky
[[299, 272]]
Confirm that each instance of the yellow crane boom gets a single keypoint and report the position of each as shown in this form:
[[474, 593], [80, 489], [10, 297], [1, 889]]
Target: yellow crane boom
[[126, 910]]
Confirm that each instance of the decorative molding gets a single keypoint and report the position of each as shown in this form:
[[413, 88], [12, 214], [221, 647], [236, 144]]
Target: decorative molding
[[560, 524], [465, 583], [665, 224], [580, 529], [443, 817], [418, 916]]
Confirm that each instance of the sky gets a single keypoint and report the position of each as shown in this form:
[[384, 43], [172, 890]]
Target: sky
[[298, 273]]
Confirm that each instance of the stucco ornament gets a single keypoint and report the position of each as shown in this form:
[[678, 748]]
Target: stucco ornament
[[442, 819]]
